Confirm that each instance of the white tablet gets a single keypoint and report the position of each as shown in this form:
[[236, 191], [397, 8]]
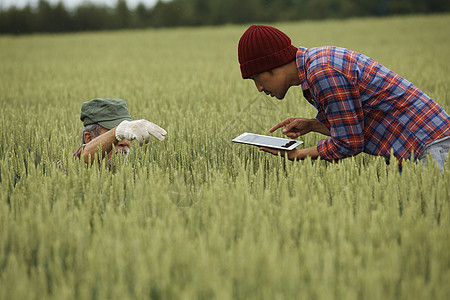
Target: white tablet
[[267, 141]]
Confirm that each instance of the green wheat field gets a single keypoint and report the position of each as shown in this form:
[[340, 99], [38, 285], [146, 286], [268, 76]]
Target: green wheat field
[[197, 216]]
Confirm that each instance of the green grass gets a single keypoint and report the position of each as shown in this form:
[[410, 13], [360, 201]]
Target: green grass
[[199, 217]]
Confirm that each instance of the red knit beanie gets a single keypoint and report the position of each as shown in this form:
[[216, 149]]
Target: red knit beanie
[[263, 48]]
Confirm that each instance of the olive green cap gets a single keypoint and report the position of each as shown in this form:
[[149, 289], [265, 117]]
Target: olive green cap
[[106, 112]]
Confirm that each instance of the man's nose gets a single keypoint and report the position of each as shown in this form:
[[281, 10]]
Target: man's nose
[[259, 87], [124, 143]]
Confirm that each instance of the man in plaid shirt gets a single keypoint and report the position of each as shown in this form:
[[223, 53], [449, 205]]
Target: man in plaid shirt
[[362, 105]]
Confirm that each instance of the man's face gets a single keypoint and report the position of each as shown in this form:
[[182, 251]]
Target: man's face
[[272, 83], [123, 145]]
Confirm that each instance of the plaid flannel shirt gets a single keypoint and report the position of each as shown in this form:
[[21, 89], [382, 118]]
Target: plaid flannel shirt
[[367, 107], [77, 153]]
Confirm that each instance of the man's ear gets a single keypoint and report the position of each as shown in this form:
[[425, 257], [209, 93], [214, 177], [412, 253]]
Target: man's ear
[[88, 137]]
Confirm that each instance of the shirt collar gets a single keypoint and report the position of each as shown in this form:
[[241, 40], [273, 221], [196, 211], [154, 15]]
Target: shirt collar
[[301, 67]]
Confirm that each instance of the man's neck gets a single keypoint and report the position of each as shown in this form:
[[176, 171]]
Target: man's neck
[[292, 73]]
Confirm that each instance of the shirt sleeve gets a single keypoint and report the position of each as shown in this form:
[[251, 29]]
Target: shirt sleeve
[[322, 119], [341, 106], [77, 153]]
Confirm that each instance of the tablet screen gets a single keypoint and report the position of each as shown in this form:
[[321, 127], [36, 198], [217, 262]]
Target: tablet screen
[[267, 141]]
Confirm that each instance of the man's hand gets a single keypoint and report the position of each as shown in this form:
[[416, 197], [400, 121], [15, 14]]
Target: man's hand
[[294, 154], [295, 127], [139, 130]]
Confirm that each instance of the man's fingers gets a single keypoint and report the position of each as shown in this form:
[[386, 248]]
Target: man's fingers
[[157, 128], [272, 151], [281, 124], [157, 135], [290, 126], [140, 139], [147, 138], [156, 131], [291, 154], [292, 135], [162, 131]]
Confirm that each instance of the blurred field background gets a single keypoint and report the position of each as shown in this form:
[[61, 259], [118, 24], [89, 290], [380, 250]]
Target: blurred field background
[[198, 217]]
